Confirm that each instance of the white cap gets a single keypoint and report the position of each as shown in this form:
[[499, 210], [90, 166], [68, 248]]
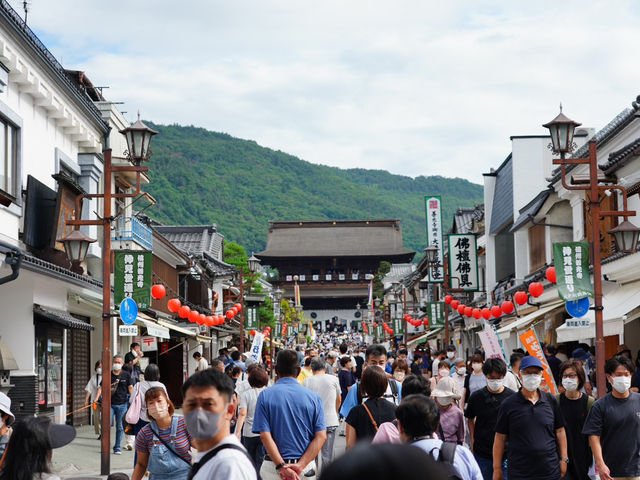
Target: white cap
[[5, 406]]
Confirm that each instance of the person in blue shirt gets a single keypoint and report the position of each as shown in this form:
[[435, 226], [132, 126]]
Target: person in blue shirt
[[290, 421], [376, 355]]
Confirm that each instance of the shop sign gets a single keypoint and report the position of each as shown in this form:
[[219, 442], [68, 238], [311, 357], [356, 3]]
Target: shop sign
[[379, 334], [433, 207], [158, 331], [128, 330], [530, 341], [491, 343], [398, 326], [256, 347], [577, 323], [463, 262], [132, 277], [251, 318], [277, 331], [572, 270], [435, 312], [148, 344]]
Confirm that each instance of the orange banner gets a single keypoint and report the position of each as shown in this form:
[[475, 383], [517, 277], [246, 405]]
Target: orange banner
[[530, 341]]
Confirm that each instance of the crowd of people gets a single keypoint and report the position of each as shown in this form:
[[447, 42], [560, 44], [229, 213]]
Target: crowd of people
[[449, 417]]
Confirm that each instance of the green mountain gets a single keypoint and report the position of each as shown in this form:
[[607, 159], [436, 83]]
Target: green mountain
[[203, 177]]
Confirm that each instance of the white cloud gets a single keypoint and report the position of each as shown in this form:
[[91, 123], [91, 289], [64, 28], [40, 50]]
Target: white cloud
[[414, 87]]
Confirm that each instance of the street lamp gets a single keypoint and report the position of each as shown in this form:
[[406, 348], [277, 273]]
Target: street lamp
[[76, 246], [625, 235], [254, 263], [138, 138], [431, 253]]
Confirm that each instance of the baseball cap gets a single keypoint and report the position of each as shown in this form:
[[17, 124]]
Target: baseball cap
[[530, 361], [5, 406], [61, 435], [579, 354]]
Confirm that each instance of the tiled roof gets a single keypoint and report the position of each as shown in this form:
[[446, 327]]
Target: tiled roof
[[194, 239], [218, 267], [531, 209], [399, 271], [464, 218], [620, 157], [502, 211]]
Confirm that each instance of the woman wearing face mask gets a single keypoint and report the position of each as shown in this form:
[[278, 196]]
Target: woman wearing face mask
[[444, 369], [460, 373], [400, 370], [91, 398], [451, 428], [163, 444], [575, 406], [475, 380]]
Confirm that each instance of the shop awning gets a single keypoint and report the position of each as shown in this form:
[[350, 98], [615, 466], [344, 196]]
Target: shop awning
[[425, 336], [176, 328], [153, 329], [61, 317], [615, 305], [521, 323]]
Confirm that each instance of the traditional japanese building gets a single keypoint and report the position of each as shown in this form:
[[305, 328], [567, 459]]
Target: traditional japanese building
[[334, 262]]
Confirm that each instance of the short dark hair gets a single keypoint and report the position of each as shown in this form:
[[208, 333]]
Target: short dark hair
[[344, 361], [375, 350], [494, 365], [118, 476], [307, 361], [98, 363], [416, 385], [515, 358], [577, 366], [258, 378], [374, 382], [287, 363], [196, 354], [419, 415], [155, 392], [343, 348], [618, 361], [318, 364], [551, 350], [476, 357], [451, 348], [235, 371], [235, 355], [152, 373], [403, 351], [210, 378], [134, 345]]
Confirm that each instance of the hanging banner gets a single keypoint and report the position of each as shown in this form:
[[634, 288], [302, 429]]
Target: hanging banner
[[379, 332], [491, 344], [572, 270], [530, 341], [433, 207], [398, 326], [277, 331], [256, 347], [251, 318], [463, 262], [435, 312], [132, 277]]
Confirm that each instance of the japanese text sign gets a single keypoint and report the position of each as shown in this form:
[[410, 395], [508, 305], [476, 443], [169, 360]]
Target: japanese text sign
[[256, 347], [398, 326], [490, 343], [435, 312], [530, 341], [463, 262], [132, 277], [434, 236], [572, 270], [251, 318]]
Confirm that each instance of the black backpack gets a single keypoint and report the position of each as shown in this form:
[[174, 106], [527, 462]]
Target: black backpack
[[445, 460]]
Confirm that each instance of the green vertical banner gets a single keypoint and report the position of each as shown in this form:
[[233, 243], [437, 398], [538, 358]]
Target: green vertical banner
[[435, 312], [379, 331], [251, 318], [398, 326], [277, 331], [132, 277], [571, 260]]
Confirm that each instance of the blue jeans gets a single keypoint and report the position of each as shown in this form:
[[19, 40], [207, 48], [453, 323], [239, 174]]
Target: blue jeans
[[118, 413], [486, 467]]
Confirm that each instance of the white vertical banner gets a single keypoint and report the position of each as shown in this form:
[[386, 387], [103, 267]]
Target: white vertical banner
[[256, 347], [463, 262], [433, 207]]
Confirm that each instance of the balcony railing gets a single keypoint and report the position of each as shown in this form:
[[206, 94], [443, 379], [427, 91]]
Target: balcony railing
[[132, 229]]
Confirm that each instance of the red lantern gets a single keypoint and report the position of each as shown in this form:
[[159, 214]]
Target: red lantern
[[201, 319], [193, 316], [208, 321], [238, 306], [158, 291], [551, 274], [496, 311], [184, 311], [536, 289], [521, 298], [448, 299], [455, 304], [486, 313], [252, 332], [425, 322], [507, 307], [468, 311], [461, 309], [391, 331], [476, 313], [221, 319], [174, 305], [229, 314]]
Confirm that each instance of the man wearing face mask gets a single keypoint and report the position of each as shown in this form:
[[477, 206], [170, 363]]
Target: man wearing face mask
[[91, 396], [613, 424], [532, 423], [482, 412], [133, 357], [121, 387]]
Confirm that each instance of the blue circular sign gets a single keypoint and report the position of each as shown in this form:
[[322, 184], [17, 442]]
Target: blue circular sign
[[578, 308], [128, 311]]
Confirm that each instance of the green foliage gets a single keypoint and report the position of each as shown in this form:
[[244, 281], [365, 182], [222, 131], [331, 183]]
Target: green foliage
[[378, 286], [235, 254], [203, 177]]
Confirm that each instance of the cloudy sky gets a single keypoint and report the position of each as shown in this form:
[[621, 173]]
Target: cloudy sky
[[414, 87]]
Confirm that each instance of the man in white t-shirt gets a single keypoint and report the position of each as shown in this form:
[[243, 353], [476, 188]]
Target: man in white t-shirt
[[202, 362], [208, 410], [328, 387]]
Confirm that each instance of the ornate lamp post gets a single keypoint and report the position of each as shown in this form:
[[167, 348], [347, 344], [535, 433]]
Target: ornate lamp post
[[254, 265], [77, 244], [625, 235]]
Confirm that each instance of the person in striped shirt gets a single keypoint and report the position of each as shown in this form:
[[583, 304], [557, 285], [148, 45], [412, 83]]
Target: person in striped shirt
[[163, 445]]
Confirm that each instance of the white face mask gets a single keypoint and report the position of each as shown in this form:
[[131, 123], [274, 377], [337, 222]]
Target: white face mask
[[444, 401], [451, 354], [621, 384], [158, 412], [99, 371], [531, 382], [476, 367], [495, 385], [117, 367], [461, 371], [399, 376], [443, 373], [135, 354], [570, 384]]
